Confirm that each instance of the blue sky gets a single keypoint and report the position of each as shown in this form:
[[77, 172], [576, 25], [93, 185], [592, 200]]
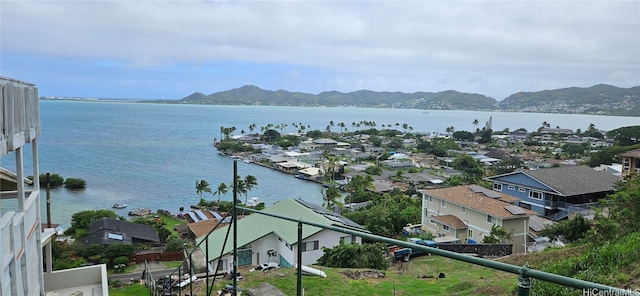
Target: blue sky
[[170, 49]]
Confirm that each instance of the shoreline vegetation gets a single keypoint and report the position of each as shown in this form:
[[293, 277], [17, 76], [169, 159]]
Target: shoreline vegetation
[[599, 99]]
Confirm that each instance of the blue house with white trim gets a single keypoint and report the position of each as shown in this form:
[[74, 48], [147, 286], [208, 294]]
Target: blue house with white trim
[[556, 192]]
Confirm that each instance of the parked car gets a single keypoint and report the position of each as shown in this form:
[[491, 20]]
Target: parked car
[[266, 266]]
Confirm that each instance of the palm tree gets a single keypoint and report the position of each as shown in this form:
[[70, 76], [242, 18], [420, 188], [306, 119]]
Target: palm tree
[[476, 122], [250, 182], [222, 189], [331, 196], [202, 186], [241, 188], [450, 129]]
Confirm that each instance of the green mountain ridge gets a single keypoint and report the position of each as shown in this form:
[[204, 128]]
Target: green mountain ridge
[[599, 99]]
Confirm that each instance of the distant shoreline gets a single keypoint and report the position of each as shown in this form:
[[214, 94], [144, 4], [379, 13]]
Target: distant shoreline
[[178, 102]]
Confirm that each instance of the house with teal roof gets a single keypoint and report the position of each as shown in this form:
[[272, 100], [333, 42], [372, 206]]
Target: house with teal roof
[[263, 238]]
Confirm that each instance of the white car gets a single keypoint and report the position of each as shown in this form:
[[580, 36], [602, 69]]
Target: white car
[[266, 266]]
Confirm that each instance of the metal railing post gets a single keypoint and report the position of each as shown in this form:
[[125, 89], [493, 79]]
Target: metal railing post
[[524, 282], [234, 221], [299, 274]]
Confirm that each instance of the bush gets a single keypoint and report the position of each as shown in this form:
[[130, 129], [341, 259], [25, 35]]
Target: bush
[[75, 183], [117, 250], [174, 244], [121, 260], [354, 256], [54, 179]]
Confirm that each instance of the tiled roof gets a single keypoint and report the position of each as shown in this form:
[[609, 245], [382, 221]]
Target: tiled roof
[[256, 226], [450, 220], [476, 200], [633, 153], [203, 227], [574, 180]]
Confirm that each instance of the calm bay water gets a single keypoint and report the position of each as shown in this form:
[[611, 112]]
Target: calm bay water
[[151, 155]]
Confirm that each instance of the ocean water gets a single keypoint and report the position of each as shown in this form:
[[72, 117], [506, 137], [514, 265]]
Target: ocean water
[[150, 155]]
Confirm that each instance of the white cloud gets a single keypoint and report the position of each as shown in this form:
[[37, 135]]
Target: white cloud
[[494, 48]]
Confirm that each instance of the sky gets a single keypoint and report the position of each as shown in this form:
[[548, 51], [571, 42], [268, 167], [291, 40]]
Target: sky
[[171, 49]]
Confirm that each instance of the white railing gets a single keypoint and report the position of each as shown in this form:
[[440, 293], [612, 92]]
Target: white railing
[[20, 116]]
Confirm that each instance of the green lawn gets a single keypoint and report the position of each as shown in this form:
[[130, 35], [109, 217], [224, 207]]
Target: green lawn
[[418, 277]]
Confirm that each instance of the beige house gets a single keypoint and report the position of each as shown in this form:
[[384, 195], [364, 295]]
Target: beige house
[[469, 212], [630, 162]]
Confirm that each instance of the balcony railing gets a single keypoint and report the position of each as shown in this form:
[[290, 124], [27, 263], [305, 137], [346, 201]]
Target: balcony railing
[[20, 116]]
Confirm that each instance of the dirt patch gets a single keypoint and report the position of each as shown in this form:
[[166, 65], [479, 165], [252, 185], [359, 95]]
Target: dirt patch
[[490, 290], [363, 274]]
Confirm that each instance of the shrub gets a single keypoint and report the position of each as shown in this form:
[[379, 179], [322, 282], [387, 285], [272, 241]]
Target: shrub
[[54, 179], [175, 244], [75, 183], [117, 250], [354, 256], [121, 260]]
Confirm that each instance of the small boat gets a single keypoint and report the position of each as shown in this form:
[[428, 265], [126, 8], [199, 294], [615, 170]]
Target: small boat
[[253, 202], [119, 206]]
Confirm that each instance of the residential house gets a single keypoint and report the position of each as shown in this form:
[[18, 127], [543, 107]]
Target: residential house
[[107, 231], [424, 160], [469, 212], [26, 249], [556, 192], [262, 238], [630, 162]]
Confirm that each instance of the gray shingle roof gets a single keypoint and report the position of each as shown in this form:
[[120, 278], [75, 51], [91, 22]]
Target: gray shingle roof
[[574, 180], [103, 230]]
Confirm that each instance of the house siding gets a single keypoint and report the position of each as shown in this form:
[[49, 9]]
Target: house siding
[[521, 179], [476, 222]]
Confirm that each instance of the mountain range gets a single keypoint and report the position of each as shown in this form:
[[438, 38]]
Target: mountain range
[[599, 99]]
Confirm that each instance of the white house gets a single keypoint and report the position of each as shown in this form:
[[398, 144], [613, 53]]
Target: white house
[[264, 238]]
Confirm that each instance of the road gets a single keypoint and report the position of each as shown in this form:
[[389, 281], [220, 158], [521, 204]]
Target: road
[[125, 277]]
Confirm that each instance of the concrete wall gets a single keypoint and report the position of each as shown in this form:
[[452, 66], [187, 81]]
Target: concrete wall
[[81, 276], [482, 250]]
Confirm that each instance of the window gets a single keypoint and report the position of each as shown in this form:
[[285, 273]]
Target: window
[[463, 209], [351, 239], [430, 199], [445, 228], [310, 246], [443, 203], [470, 233], [511, 187], [222, 264], [490, 219], [432, 221], [522, 189], [535, 194], [497, 187]]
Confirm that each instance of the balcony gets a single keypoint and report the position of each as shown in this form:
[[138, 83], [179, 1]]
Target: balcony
[[20, 116]]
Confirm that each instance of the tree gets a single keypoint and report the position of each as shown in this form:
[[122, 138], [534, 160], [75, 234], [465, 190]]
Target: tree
[[75, 183], [201, 187], [570, 230], [270, 136], [54, 179], [222, 189], [463, 136], [475, 123], [497, 235], [450, 129], [625, 136], [80, 221], [354, 256], [331, 197], [623, 211], [250, 182]]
